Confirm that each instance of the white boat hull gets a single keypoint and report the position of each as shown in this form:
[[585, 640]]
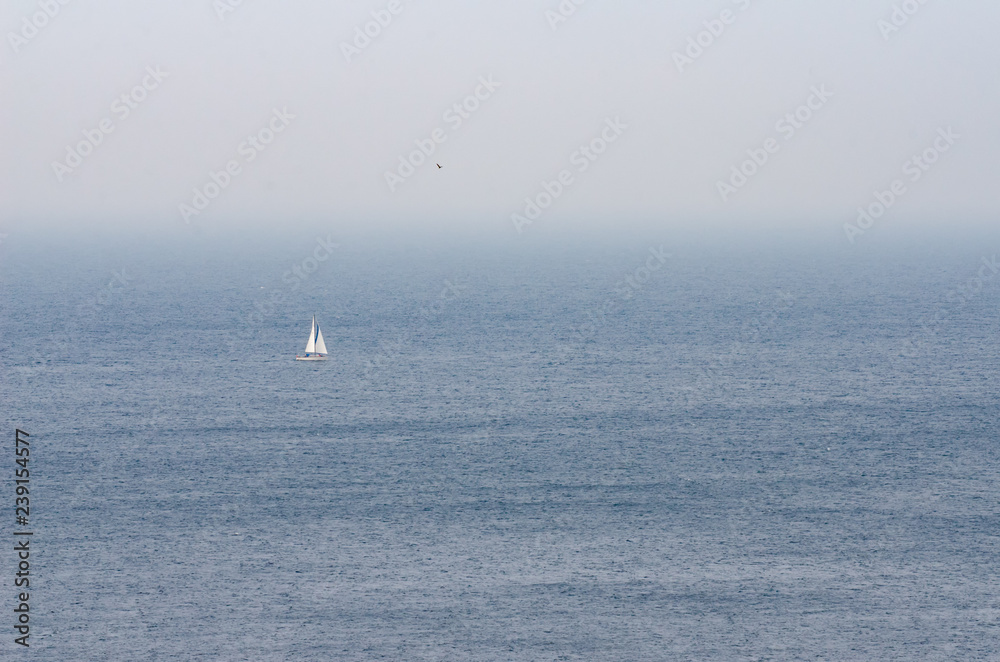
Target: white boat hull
[[315, 347]]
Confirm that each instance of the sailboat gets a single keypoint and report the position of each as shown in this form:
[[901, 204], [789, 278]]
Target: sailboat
[[315, 347]]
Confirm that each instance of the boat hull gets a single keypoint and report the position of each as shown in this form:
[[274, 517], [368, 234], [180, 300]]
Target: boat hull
[[310, 358]]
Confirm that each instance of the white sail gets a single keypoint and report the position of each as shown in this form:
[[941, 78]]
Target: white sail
[[320, 345], [315, 348], [311, 345]]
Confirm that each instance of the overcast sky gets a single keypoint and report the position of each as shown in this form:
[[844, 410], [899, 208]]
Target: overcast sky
[[670, 119]]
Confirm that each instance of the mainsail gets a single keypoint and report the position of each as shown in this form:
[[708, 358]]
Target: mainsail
[[320, 345]]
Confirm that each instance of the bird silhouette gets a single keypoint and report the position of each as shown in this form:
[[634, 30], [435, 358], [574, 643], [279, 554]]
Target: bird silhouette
[[438, 165]]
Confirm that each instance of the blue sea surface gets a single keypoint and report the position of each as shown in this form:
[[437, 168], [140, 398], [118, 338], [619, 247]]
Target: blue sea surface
[[529, 452]]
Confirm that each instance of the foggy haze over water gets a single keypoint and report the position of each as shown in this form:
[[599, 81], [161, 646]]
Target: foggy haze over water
[[657, 330], [737, 112]]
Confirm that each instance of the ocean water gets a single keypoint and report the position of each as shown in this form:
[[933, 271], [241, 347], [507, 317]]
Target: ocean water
[[752, 452]]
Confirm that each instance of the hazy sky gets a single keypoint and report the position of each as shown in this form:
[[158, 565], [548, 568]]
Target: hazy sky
[[348, 107]]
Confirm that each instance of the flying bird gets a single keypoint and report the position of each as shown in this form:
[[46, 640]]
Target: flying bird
[[438, 165]]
